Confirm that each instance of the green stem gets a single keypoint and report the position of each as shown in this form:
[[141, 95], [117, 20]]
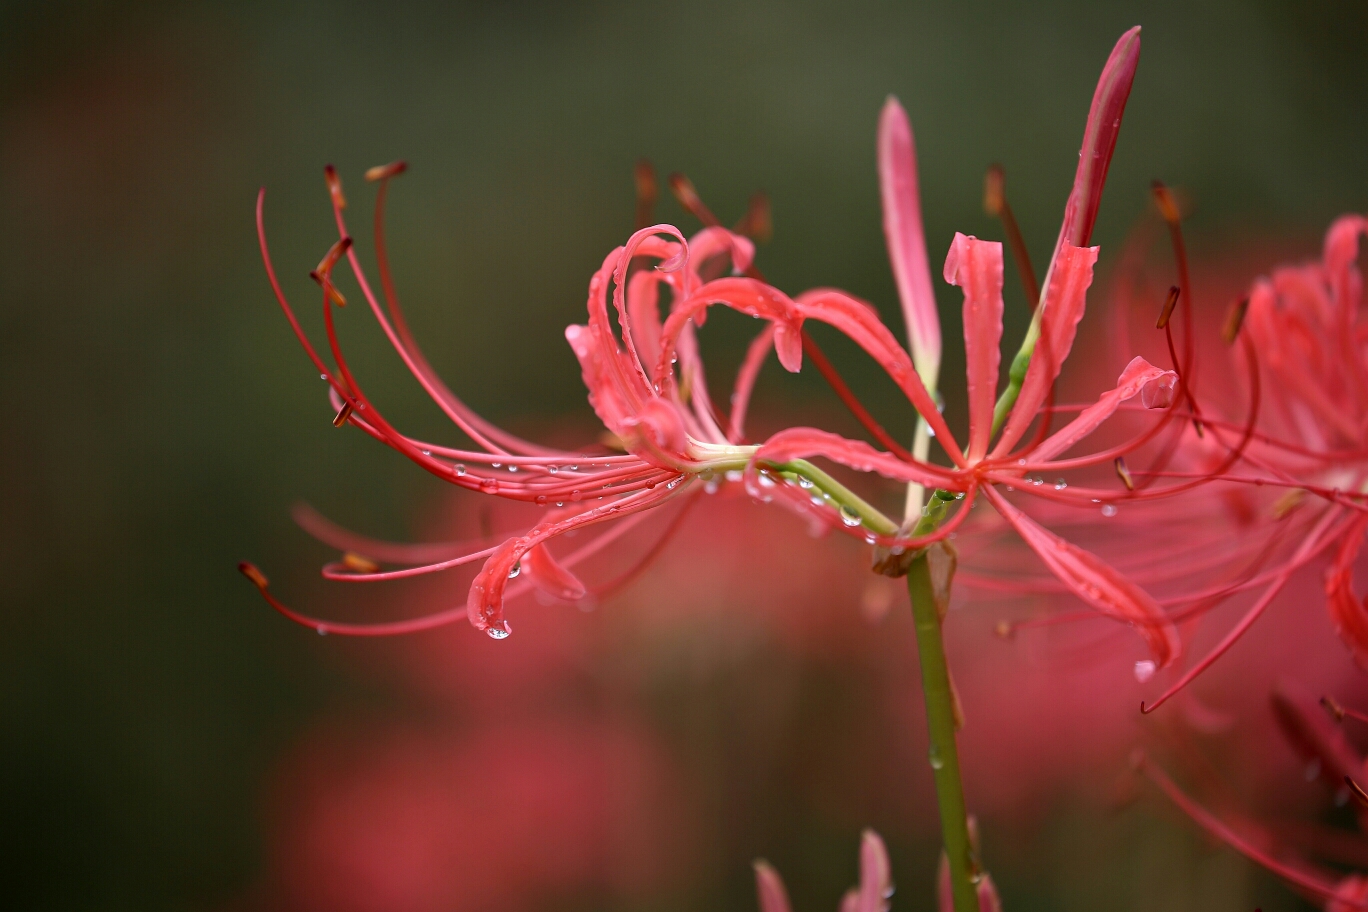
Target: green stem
[[940, 723]]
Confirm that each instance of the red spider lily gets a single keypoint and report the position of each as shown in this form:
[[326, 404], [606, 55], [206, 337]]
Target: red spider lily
[[1304, 321], [646, 383]]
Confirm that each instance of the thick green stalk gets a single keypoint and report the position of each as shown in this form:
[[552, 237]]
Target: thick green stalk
[[940, 723]]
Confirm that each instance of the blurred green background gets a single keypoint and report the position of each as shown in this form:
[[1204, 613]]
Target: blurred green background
[[161, 419]]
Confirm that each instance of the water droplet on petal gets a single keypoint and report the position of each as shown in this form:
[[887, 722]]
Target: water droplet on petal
[[553, 469], [1109, 510], [512, 468], [498, 631], [1144, 670], [427, 452], [515, 570], [1060, 484], [497, 465], [322, 376], [576, 496], [460, 468], [541, 500]]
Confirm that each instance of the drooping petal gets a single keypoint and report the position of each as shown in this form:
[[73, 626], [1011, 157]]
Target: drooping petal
[[1096, 583], [976, 267], [1066, 296], [1348, 613], [484, 602], [1339, 258], [906, 239], [548, 575], [1154, 385], [769, 889]]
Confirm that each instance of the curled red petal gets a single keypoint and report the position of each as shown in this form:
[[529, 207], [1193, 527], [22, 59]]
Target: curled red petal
[[485, 600], [976, 267], [1096, 583], [548, 575], [1139, 377]]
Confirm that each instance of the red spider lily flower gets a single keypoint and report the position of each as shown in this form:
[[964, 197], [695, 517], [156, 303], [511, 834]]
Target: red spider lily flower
[[1305, 323], [870, 895], [647, 385], [977, 268]]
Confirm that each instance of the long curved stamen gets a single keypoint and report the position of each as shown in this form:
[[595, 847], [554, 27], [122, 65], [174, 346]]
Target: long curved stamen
[[843, 392], [1221, 831], [995, 204], [1317, 541]]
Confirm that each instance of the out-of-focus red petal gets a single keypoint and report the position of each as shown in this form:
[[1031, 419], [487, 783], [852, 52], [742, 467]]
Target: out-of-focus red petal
[[1347, 612], [876, 877], [769, 889], [1096, 583]]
